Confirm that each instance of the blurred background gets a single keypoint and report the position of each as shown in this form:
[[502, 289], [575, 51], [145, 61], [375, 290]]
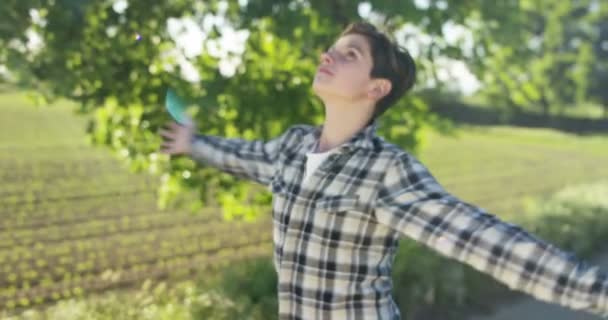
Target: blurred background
[[509, 112]]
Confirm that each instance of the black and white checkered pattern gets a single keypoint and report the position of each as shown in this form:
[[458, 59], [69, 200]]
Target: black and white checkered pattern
[[336, 234]]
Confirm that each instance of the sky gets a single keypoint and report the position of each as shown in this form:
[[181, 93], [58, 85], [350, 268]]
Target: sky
[[189, 35]]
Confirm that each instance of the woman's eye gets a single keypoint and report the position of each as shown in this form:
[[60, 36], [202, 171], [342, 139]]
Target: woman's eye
[[352, 53]]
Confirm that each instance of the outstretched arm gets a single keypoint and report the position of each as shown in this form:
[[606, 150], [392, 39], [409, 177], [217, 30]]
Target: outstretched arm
[[254, 160], [413, 203]]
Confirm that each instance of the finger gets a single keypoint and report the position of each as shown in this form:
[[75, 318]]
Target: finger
[[167, 134], [166, 145], [171, 126], [166, 151]]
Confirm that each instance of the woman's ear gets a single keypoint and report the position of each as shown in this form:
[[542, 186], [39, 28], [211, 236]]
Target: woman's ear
[[380, 88]]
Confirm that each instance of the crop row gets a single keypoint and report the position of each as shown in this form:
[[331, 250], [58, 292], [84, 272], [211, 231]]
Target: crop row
[[63, 212], [174, 268], [29, 254], [65, 267]]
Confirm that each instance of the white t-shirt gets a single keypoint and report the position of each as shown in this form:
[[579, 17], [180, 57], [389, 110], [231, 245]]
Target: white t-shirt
[[314, 159]]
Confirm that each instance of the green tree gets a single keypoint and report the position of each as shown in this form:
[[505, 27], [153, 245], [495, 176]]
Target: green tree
[[599, 66], [550, 62]]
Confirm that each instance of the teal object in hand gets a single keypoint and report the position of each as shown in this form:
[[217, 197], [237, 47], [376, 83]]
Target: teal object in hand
[[176, 106]]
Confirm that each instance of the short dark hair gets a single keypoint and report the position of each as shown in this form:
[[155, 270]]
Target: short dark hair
[[390, 61]]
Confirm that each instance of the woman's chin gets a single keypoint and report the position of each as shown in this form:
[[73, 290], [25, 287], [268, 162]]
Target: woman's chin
[[319, 88]]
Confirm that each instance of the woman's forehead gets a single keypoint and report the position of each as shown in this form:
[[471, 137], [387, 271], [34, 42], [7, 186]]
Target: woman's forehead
[[356, 41]]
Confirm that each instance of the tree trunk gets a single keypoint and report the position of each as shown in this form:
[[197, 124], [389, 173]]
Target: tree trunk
[[544, 103]]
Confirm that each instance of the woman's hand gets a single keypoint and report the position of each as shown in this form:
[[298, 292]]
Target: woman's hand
[[178, 138]]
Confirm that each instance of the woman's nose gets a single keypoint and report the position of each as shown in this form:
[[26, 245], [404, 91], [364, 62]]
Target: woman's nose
[[326, 58]]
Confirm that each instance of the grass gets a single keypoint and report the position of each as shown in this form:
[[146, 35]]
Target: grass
[[25, 125], [500, 167]]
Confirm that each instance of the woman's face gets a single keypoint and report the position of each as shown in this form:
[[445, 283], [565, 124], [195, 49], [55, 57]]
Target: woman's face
[[349, 63]]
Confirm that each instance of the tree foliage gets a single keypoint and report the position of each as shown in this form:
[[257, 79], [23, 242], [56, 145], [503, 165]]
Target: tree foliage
[[552, 61]]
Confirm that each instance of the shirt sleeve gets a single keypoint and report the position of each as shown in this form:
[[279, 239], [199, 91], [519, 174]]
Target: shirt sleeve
[[251, 159], [414, 204]]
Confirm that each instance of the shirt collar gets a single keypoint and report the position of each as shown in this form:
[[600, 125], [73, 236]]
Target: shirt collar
[[362, 139]]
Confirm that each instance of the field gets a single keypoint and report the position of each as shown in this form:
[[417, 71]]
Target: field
[[75, 221], [501, 167]]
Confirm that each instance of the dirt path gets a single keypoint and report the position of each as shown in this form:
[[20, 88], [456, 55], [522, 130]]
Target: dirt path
[[533, 309]]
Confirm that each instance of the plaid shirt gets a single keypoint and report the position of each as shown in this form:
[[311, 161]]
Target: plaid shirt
[[336, 234]]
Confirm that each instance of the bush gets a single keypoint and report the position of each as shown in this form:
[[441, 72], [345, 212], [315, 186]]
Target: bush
[[251, 284]]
